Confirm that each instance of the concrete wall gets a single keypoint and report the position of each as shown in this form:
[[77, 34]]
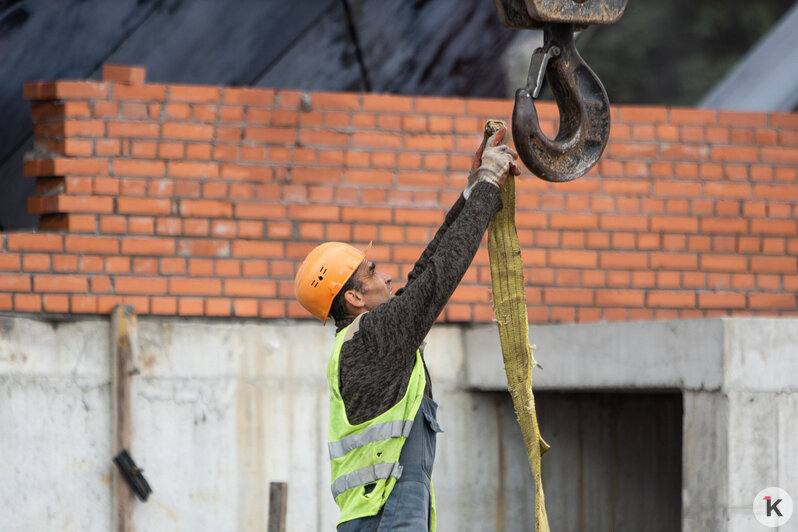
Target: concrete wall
[[221, 409]]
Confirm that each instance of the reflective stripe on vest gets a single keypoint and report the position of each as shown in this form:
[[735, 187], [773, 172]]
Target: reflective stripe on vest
[[381, 431], [366, 475]]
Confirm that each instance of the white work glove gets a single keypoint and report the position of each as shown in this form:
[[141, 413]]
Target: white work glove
[[493, 161]]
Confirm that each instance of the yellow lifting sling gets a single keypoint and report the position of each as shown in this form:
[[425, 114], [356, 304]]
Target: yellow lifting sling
[[509, 307]]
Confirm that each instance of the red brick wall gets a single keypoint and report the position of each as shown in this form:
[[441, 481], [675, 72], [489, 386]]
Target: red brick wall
[[201, 201]]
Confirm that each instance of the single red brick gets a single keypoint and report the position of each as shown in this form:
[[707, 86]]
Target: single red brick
[[31, 262], [100, 284], [374, 139], [250, 229], [190, 306], [186, 131], [194, 94], [172, 266], [218, 307], [257, 268], [60, 283], [671, 299], [34, 242], [350, 101], [366, 215], [141, 225], [228, 268], [63, 203], [772, 301], [133, 129], [203, 248], [163, 305], [248, 96], [113, 224], [64, 90], [129, 75], [386, 102], [241, 172], [309, 137], [675, 261], [418, 216], [780, 155], [241, 287], [724, 263], [258, 249], [223, 228], [573, 221], [83, 304], [139, 168], [774, 264], [647, 115], [724, 225], [206, 208], [27, 303], [199, 151], [148, 246], [140, 285], [443, 143], [9, 261], [674, 224], [15, 283], [573, 258], [721, 300], [451, 106], [369, 177], [195, 286], [150, 206], [775, 227]]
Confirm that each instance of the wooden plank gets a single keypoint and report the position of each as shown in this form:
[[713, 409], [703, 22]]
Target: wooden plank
[[123, 349], [278, 497]]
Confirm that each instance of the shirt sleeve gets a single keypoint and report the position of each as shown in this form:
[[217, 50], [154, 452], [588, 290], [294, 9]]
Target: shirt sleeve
[[404, 320], [376, 363], [429, 251]]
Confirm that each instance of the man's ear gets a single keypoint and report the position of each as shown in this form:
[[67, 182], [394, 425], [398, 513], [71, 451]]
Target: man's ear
[[354, 298]]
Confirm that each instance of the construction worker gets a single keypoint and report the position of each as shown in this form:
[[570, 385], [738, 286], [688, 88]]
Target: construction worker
[[383, 424]]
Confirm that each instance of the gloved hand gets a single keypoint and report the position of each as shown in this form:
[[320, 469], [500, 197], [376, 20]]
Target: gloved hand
[[493, 161]]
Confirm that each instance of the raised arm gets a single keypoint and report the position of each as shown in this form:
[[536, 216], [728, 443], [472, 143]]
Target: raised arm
[[407, 318]]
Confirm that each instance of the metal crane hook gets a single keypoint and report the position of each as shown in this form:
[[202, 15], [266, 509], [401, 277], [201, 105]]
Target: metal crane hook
[[582, 102]]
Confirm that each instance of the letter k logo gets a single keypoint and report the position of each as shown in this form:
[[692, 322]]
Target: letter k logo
[[772, 506]]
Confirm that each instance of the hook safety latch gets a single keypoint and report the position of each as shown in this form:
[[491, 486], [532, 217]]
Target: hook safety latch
[[537, 68]]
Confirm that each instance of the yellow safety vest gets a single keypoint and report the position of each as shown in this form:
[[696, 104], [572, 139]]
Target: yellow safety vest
[[369, 452]]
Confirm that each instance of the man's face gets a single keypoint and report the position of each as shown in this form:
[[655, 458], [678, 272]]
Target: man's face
[[375, 284]]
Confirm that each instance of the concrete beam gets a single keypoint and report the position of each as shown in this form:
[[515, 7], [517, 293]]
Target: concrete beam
[[643, 355]]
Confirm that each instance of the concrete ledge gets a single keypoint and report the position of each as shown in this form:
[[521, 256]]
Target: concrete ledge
[[643, 355]]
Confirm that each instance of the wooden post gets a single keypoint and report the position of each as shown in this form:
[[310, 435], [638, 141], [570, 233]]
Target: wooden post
[[123, 350], [278, 495]]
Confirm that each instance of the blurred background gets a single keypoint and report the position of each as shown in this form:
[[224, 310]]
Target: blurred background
[[670, 53]]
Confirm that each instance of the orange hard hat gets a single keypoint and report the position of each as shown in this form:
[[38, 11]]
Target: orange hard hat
[[322, 274]]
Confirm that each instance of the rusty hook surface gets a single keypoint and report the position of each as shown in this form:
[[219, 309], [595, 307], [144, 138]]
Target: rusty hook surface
[[582, 102]]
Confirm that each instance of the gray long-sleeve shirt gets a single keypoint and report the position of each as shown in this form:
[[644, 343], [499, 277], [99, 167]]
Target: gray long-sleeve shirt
[[376, 363]]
